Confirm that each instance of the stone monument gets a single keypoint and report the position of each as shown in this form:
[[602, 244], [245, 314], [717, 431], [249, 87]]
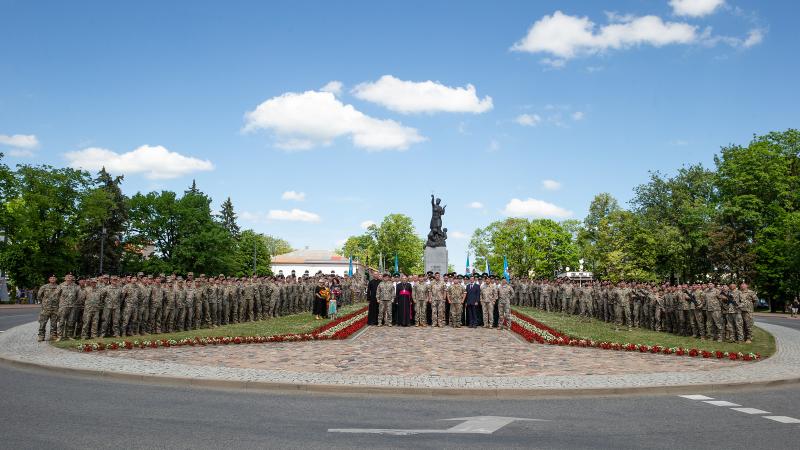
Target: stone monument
[[436, 246]]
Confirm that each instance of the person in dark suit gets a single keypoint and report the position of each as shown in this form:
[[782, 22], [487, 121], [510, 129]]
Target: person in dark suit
[[473, 301]]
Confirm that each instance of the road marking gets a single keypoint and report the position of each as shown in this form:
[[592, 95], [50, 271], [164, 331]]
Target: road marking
[[751, 410], [469, 425], [782, 419], [697, 397], [721, 403]]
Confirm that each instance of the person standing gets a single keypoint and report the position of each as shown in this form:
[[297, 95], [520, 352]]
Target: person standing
[[473, 298], [319, 299], [437, 289], [67, 295], [487, 303], [421, 297], [505, 294], [385, 295], [748, 302], [372, 298], [455, 297], [91, 309], [403, 298], [49, 313]]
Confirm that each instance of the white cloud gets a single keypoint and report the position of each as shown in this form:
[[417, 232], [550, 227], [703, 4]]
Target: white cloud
[[295, 215], [494, 145], [292, 195], [528, 120], [422, 97], [313, 118], [19, 141], [754, 37], [334, 87], [341, 242], [155, 162], [367, 223], [535, 208], [695, 8], [551, 185], [21, 153], [475, 205], [565, 37], [577, 115], [457, 235]]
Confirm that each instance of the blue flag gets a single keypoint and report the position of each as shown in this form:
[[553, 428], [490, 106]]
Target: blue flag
[[505, 269], [396, 264], [350, 270], [466, 272]]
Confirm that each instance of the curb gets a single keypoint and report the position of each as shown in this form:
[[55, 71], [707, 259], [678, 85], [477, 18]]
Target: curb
[[444, 393]]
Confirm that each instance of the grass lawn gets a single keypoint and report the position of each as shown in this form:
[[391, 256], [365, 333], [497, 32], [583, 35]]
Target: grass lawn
[[295, 323], [597, 330]]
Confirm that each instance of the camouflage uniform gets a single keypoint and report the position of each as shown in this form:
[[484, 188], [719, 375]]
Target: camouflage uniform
[[733, 322], [488, 298], [49, 313], [111, 310], [67, 294], [505, 293], [437, 289], [171, 307], [748, 299], [455, 294], [385, 294], [421, 293], [91, 311], [713, 314]]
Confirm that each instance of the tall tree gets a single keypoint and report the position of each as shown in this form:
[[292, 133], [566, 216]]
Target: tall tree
[[276, 245], [103, 207], [395, 235], [251, 248], [227, 217], [42, 228]]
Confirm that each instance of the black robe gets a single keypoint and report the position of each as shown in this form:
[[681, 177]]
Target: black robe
[[405, 306], [372, 298]]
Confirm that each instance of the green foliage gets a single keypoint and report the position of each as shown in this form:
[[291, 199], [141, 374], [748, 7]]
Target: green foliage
[[227, 217], [394, 235], [249, 245], [276, 245], [538, 248], [102, 206]]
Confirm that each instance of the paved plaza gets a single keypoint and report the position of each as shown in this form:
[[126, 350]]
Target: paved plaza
[[419, 360]]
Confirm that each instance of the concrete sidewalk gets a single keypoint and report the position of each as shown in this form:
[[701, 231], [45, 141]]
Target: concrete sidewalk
[[18, 347]]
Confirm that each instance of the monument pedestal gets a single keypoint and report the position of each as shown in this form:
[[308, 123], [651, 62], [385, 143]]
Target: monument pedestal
[[436, 259]]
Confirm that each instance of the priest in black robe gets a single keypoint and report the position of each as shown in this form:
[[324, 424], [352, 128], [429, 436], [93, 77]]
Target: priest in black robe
[[372, 298], [404, 302]]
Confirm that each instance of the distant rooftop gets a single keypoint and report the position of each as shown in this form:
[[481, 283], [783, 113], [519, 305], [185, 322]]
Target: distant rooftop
[[306, 256]]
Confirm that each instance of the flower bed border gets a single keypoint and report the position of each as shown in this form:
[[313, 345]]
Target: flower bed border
[[341, 328], [534, 331]]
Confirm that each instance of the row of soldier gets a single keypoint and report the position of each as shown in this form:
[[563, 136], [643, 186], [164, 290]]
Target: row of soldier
[[705, 311], [139, 305]]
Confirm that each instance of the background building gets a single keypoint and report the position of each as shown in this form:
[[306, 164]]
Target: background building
[[311, 262]]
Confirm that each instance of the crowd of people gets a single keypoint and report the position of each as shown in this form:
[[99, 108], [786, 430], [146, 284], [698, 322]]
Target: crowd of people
[[703, 310], [436, 300], [136, 305]]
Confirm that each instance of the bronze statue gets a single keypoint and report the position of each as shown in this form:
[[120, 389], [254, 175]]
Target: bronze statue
[[437, 236]]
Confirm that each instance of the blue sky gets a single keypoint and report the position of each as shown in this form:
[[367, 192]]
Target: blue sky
[[587, 94]]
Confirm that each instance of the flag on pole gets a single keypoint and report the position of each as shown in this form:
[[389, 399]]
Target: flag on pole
[[505, 269], [350, 270], [467, 270], [487, 270], [396, 264]]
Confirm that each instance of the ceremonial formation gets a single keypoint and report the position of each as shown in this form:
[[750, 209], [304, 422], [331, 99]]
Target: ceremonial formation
[[705, 311], [138, 305]]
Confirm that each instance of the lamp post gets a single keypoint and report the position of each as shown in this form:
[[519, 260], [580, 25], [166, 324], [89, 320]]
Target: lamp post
[[255, 253], [3, 285], [103, 236]]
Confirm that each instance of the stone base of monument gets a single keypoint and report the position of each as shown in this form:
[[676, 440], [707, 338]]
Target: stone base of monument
[[436, 259]]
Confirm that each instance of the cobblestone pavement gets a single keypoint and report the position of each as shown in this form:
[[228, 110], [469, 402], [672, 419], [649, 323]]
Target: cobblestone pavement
[[408, 358], [427, 351]]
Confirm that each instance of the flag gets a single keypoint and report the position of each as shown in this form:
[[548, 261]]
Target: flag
[[487, 270], [466, 272], [350, 270], [396, 264], [505, 269]]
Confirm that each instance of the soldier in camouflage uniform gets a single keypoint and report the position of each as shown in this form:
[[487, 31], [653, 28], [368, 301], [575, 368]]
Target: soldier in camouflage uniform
[[488, 299], [504, 294], [156, 305], [112, 302], [91, 309], [385, 294], [77, 313], [713, 312], [67, 294], [730, 307], [747, 302], [49, 313], [455, 297], [171, 308], [438, 294], [622, 306], [421, 295]]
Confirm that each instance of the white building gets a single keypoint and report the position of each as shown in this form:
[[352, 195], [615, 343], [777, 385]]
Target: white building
[[301, 262]]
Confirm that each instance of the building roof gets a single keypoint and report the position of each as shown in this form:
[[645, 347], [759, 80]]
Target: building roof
[[306, 256]]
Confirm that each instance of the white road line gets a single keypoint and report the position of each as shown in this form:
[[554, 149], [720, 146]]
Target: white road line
[[721, 403], [782, 419], [751, 411], [697, 397]]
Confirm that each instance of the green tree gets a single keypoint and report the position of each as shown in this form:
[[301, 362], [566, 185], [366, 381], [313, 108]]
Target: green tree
[[103, 206], [276, 245], [203, 245], [42, 212], [153, 221], [394, 235], [227, 217], [251, 246]]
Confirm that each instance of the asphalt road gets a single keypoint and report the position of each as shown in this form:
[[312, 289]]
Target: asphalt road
[[41, 410], [11, 317]]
